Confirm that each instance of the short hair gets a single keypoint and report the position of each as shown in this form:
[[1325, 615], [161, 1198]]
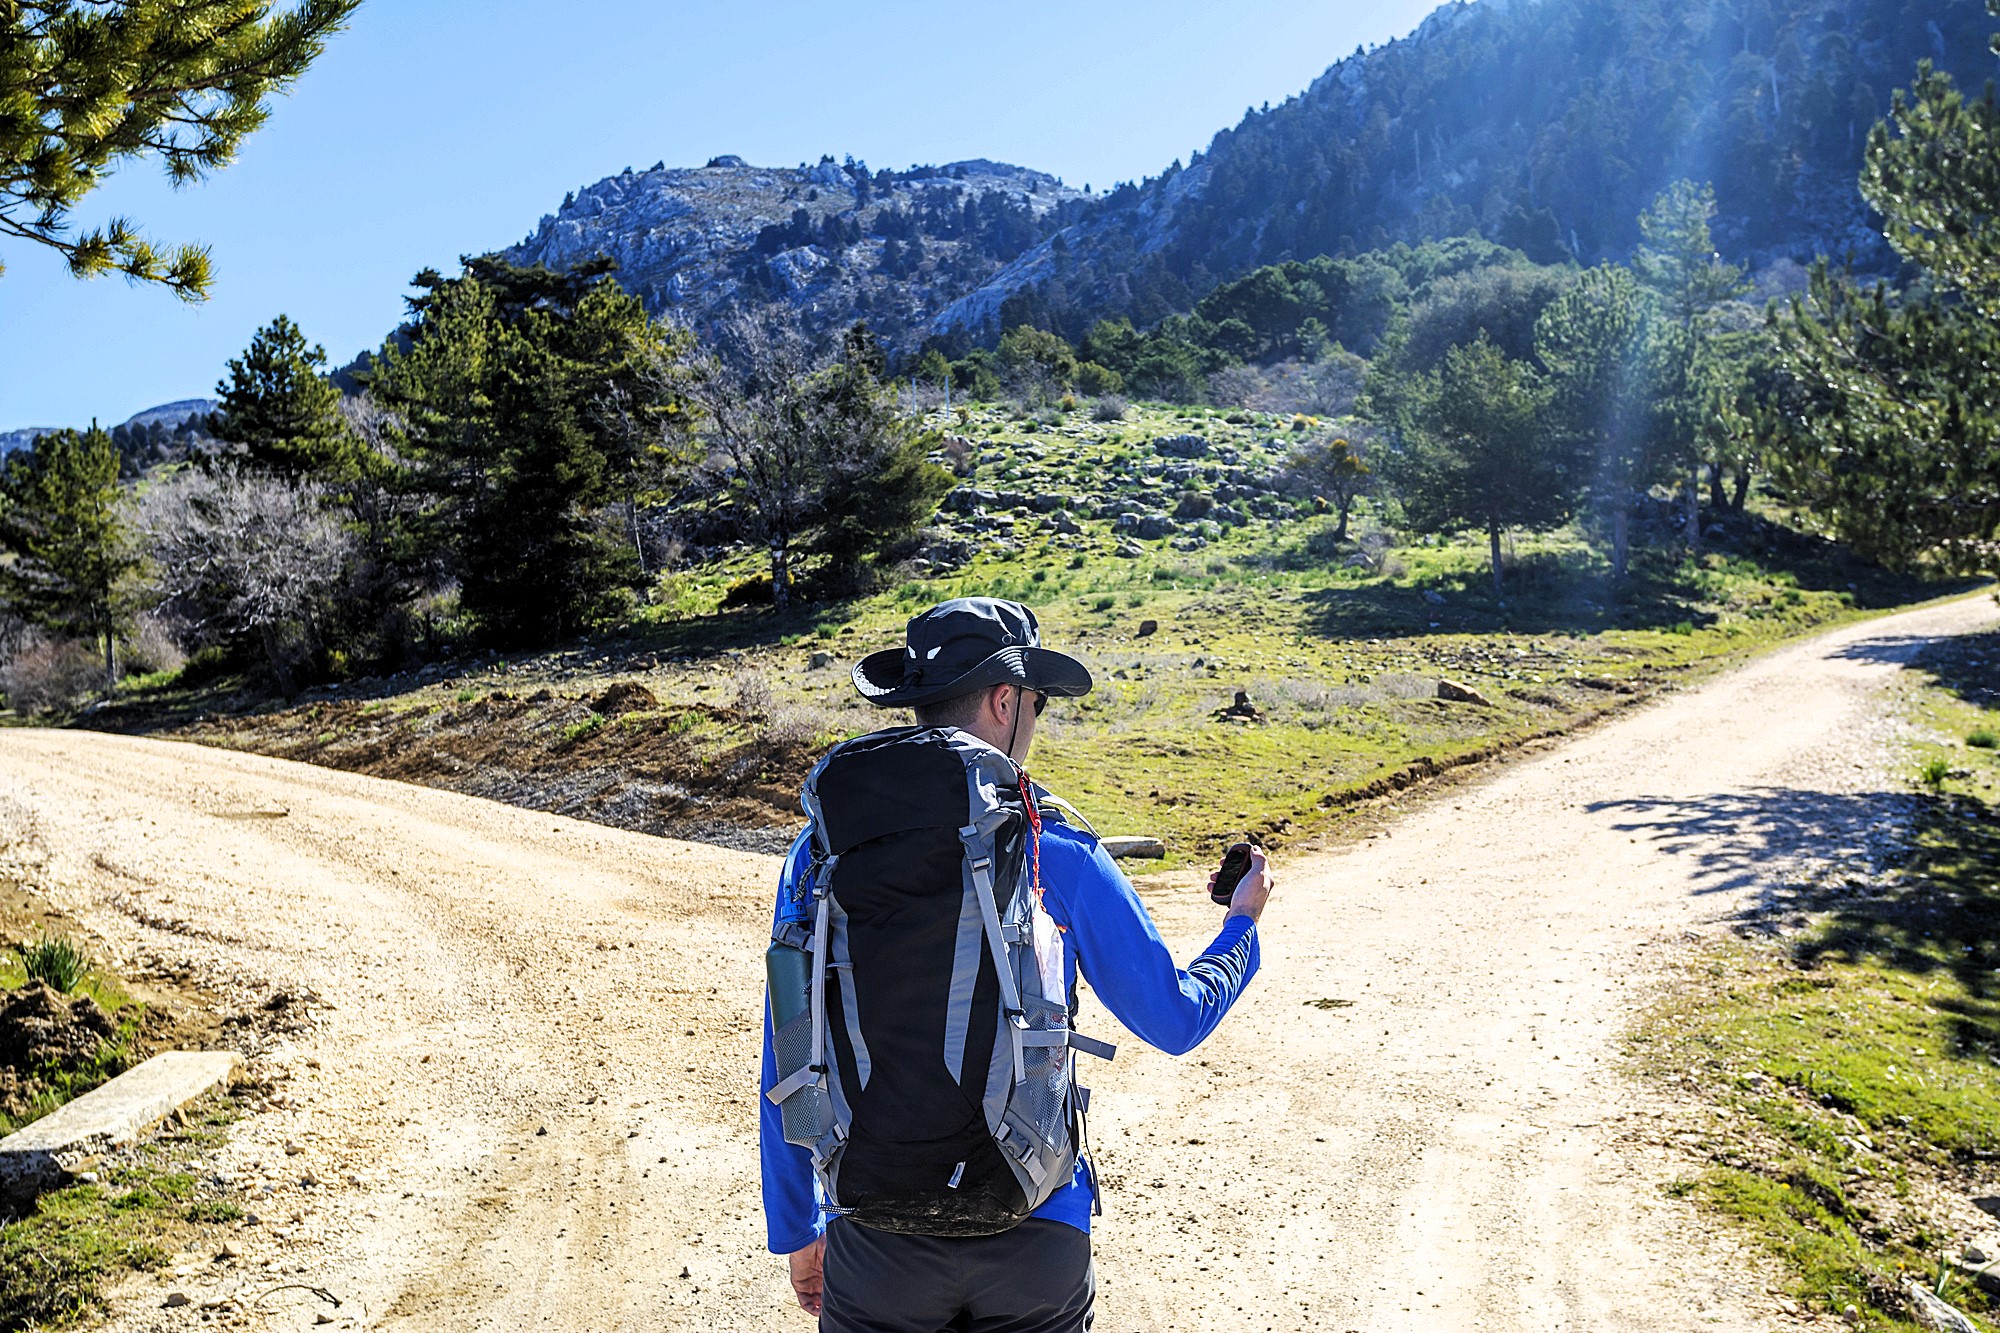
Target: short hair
[[957, 711]]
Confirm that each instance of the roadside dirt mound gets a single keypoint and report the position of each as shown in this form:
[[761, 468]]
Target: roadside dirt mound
[[44, 1032], [626, 696]]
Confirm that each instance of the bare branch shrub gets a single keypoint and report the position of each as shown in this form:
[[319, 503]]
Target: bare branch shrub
[[247, 560], [44, 674], [1108, 407], [1324, 388], [151, 646], [1235, 386], [753, 694]]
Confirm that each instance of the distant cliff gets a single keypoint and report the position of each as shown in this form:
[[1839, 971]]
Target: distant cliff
[[823, 245]]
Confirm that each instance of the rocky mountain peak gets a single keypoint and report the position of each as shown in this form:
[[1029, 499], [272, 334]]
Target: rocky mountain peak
[[823, 244]]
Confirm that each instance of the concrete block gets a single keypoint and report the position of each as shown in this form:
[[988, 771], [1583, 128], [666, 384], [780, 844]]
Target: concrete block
[[114, 1115]]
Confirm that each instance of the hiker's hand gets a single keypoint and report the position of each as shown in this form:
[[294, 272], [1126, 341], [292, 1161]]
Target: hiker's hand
[[1254, 888], [808, 1279]]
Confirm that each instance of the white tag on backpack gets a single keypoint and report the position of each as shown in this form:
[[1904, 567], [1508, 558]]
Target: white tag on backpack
[[1049, 957]]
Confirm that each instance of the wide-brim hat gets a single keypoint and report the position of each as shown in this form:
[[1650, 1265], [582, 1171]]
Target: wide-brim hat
[[963, 645]]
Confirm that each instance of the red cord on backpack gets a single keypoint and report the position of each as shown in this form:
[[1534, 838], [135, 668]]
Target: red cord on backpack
[[1035, 844]]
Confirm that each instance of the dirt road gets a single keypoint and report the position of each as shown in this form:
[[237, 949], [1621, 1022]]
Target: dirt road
[[526, 1089]]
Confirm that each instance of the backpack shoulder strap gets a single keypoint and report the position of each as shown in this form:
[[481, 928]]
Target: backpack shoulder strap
[[1070, 814]]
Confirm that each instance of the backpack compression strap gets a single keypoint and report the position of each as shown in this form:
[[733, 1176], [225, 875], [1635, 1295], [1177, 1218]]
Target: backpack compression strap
[[978, 840]]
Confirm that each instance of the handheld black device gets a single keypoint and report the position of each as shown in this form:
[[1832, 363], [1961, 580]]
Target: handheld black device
[[1235, 865]]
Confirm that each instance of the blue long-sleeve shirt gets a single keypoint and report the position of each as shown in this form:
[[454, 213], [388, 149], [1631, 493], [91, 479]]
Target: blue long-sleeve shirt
[[1111, 939]]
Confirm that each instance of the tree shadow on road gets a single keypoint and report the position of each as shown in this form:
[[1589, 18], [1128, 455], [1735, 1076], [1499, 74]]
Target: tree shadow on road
[[1792, 849], [1903, 881]]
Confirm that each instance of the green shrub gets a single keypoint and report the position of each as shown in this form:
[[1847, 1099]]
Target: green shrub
[[584, 730], [55, 960], [1934, 772], [1983, 739], [750, 592]]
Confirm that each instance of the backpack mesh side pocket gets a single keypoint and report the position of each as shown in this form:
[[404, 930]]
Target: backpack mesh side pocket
[[808, 1112], [1041, 1100]]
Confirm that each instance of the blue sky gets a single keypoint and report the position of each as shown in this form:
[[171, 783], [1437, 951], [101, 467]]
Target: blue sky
[[435, 128]]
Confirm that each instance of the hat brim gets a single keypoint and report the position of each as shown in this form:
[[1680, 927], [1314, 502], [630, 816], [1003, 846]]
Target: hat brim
[[879, 676]]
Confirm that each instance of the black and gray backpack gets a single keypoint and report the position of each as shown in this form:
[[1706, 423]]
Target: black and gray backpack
[[919, 1000]]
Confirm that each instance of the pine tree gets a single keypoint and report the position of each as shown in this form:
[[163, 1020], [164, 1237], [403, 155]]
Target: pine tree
[[815, 458], [61, 519], [1886, 411], [1676, 261], [86, 85], [1594, 343], [1932, 170], [533, 405], [283, 413], [1477, 453]]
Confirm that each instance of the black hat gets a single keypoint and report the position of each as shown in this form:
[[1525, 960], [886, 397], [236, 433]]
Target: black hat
[[963, 645]]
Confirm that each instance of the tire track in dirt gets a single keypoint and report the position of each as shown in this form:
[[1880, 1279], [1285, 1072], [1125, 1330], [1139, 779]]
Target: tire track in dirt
[[531, 1102]]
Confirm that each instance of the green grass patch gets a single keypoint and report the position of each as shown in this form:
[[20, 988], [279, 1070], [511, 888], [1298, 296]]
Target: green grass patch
[[56, 1259], [585, 729], [54, 1085], [1855, 1070], [63, 964], [1339, 644]]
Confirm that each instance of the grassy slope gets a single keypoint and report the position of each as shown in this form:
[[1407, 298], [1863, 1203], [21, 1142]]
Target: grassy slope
[[1341, 659], [1854, 1070]]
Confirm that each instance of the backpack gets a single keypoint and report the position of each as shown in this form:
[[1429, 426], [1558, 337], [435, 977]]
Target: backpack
[[921, 1020]]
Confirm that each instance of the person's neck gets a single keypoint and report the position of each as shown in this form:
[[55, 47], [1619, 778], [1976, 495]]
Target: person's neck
[[993, 736]]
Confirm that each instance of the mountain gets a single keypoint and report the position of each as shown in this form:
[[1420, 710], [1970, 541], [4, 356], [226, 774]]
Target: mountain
[[155, 423], [171, 415], [821, 246], [10, 440], [1548, 125]]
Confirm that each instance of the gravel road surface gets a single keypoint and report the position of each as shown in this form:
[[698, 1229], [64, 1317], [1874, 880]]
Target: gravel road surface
[[518, 1083]]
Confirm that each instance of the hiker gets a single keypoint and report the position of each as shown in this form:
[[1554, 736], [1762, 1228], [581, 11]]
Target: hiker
[[924, 1159]]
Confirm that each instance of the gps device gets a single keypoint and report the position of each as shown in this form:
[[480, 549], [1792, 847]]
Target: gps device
[[1235, 865]]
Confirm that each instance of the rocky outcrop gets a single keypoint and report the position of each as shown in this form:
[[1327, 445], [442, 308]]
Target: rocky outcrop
[[821, 245]]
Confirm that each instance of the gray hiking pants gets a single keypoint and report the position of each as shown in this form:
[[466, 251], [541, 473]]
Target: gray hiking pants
[[1036, 1278]]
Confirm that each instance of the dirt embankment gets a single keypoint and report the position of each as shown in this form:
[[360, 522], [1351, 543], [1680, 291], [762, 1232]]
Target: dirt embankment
[[615, 756]]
